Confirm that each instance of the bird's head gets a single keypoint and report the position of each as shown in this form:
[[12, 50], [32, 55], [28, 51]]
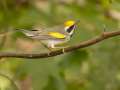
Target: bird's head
[[70, 26]]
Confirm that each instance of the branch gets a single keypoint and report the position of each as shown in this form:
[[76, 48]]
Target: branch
[[95, 40]]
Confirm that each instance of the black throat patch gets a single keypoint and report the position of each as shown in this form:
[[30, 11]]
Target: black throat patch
[[70, 28]]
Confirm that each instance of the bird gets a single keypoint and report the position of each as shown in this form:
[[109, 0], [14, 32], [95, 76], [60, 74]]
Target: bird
[[54, 36]]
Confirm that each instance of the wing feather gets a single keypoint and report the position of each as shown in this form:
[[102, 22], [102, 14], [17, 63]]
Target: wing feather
[[42, 34]]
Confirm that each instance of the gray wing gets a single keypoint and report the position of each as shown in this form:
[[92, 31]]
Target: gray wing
[[38, 34]]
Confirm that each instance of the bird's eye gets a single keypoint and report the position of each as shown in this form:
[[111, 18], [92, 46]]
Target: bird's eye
[[70, 28]]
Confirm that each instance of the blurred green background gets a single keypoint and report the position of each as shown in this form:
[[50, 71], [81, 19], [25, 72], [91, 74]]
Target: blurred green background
[[93, 68]]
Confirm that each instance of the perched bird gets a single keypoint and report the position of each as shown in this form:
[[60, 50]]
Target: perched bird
[[51, 37]]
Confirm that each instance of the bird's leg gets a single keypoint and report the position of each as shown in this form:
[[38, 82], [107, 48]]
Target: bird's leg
[[53, 46], [104, 30], [47, 48]]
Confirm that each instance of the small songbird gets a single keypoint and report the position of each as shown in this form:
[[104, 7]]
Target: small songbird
[[51, 37]]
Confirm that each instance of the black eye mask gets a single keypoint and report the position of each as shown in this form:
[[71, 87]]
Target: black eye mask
[[70, 28]]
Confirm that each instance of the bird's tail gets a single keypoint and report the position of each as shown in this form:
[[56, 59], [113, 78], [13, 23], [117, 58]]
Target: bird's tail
[[29, 33]]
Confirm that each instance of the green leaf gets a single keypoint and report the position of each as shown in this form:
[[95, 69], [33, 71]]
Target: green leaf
[[75, 58], [52, 84]]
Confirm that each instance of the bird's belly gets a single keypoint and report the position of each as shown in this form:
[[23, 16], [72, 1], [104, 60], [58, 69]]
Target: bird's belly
[[53, 42], [49, 42]]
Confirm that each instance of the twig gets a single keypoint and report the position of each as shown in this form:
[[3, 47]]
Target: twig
[[95, 40], [11, 81]]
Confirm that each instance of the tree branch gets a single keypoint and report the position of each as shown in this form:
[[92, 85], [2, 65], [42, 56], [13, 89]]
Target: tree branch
[[95, 40]]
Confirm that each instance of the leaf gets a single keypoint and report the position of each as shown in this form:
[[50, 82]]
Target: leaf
[[74, 58], [52, 84]]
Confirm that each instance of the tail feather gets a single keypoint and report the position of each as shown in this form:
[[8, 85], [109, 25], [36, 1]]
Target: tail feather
[[29, 33]]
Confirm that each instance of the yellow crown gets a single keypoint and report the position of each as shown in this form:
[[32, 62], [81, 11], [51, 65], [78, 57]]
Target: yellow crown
[[69, 23]]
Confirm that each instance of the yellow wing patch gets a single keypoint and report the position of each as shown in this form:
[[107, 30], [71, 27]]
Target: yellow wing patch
[[56, 35]]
